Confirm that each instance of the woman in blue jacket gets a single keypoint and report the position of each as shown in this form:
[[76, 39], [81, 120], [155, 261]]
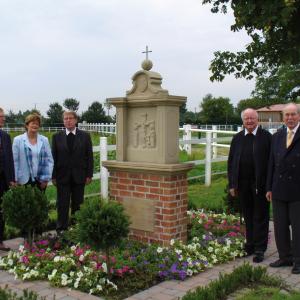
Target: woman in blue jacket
[[32, 155]]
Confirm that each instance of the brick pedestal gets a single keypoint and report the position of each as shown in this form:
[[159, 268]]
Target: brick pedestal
[[161, 198]]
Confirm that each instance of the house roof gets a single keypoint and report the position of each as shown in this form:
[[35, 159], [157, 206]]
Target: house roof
[[275, 107]]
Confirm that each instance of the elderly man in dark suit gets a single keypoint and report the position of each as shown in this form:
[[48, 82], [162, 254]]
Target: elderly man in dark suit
[[247, 172], [7, 174], [284, 189], [73, 168]]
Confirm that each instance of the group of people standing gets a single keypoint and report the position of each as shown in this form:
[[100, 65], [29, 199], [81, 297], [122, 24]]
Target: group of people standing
[[31, 161], [261, 169]]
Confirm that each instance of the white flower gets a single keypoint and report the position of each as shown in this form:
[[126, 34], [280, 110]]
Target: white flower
[[76, 284], [99, 287], [10, 262], [210, 249], [159, 250], [172, 242], [178, 251], [79, 274], [104, 267], [81, 258], [228, 242], [56, 259], [52, 275], [73, 248], [189, 272]]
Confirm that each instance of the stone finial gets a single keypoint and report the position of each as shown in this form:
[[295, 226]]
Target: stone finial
[[146, 83], [147, 65]]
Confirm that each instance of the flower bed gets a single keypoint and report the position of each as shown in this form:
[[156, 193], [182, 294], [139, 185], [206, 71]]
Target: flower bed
[[214, 238]]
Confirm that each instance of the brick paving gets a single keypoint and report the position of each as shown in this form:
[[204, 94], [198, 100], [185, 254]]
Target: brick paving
[[168, 290]]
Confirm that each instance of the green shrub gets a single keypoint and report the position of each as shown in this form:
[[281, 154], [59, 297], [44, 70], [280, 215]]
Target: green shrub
[[6, 294], [242, 276], [102, 225], [25, 208]]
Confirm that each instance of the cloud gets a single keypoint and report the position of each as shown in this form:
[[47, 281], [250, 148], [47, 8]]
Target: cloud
[[89, 49]]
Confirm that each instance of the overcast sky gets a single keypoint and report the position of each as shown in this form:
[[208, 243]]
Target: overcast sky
[[51, 50]]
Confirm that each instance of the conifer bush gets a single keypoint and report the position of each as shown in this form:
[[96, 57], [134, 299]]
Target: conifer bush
[[25, 208], [102, 225]]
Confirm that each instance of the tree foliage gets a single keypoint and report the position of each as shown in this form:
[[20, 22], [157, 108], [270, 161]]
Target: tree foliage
[[216, 110], [101, 224], [55, 113], [95, 114], [273, 27], [25, 208], [282, 85], [71, 104]]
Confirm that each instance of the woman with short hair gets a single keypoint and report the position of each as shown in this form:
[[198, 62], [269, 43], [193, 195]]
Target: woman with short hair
[[32, 155]]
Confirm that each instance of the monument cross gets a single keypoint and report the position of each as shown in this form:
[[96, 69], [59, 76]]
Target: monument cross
[[147, 51]]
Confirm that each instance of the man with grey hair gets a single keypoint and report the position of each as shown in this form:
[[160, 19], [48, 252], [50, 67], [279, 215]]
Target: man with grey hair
[[283, 188], [247, 172]]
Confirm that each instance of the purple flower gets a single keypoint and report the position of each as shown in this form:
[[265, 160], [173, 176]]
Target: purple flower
[[182, 274], [163, 273], [174, 268]]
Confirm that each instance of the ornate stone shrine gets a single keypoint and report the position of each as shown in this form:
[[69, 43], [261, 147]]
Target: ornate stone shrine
[[146, 176]]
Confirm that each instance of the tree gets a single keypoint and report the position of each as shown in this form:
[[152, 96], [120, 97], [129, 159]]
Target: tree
[[282, 85], [54, 113], [71, 104], [95, 114], [182, 111], [273, 27], [216, 110]]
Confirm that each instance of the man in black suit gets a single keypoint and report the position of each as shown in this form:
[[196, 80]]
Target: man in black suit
[[247, 172], [73, 168], [7, 173], [283, 188]]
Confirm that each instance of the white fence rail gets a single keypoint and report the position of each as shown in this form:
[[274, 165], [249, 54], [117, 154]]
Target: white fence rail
[[211, 142]]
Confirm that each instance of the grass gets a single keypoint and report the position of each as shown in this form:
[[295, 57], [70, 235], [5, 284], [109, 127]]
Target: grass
[[245, 276], [271, 293], [210, 198]]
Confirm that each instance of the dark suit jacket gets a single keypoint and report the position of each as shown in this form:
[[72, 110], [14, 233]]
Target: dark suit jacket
[[8, 167], [284, 168], [261, 150], [76, 164]]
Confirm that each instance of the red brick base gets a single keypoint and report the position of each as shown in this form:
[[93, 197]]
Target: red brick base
[[169, 195]]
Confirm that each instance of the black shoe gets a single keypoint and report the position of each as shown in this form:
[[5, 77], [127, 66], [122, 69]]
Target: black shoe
[[296, 269], [281, 263], [258, 257]]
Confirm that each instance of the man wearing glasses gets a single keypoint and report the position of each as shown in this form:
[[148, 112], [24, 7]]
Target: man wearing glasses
[[73, 168], [247, 173]]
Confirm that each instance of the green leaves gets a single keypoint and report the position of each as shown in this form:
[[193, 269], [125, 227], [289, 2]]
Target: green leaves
[[101, 225], [25, 208], [273, 27]]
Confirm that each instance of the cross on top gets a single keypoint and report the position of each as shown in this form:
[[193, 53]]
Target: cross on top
[[147, 51]]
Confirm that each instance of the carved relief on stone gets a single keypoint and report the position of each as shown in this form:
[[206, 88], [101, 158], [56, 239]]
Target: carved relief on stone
[[144, 135]]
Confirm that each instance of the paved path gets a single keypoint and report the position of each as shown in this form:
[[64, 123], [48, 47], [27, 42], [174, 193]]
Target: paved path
[[168, 290]]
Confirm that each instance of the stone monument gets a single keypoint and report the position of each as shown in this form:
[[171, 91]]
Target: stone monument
[[146, 176]]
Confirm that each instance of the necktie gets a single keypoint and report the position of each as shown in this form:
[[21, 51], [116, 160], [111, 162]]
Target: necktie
[[289, 138]]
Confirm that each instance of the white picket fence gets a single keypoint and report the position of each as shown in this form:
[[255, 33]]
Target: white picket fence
[[211, 142]]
